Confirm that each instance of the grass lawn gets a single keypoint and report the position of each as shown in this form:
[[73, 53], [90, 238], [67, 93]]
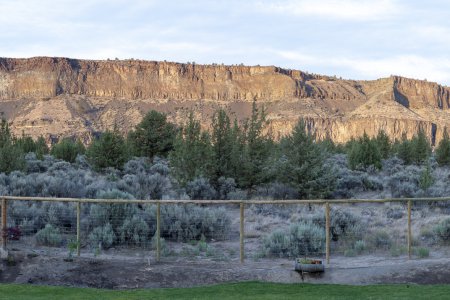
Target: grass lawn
[[245, 290]]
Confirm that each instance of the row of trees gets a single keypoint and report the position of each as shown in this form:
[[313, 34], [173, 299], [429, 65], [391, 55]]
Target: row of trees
[[243, 152]]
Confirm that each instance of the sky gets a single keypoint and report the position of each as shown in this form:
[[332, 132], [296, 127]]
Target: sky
[[354, 39]]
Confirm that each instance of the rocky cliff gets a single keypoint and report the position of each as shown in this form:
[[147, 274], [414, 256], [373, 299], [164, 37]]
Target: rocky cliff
[[58, 97]]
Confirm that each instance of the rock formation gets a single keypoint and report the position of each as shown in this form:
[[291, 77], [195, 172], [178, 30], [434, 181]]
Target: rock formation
[[57, 97]]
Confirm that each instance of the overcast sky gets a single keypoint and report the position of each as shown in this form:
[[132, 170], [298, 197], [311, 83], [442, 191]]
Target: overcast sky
[[357, 39]]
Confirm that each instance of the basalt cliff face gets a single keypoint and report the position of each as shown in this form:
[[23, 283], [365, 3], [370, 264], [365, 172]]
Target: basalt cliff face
[[57, 97]]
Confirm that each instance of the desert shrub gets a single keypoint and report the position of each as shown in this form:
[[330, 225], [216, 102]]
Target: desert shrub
[[29, 216], [405, 183], [442, 230], [343, 223], [200, 189], [35, 165], [372, 183], [380, 239], [190, 222], [225, 186], [278, 191], [49, 236], [135, 231], [395, 212], [144, 180], [282, 211], [392, 165], [102, 237], [237, 195], [350, 182], [114, 214], [301, 239], [59, 214]]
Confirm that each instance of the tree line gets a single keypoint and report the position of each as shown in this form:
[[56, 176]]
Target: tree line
[[242, 151]]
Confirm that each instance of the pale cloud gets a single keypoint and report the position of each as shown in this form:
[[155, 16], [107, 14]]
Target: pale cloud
[[349, 38], [414, 66], [354, 10]]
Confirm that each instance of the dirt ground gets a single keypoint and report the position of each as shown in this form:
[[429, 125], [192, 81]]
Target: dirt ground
[[128, 272]]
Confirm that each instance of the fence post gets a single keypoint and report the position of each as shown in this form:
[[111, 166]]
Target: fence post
[[327, 232], [409, 229], [4, 224], [78, 228], [158, 231], [241, 233]]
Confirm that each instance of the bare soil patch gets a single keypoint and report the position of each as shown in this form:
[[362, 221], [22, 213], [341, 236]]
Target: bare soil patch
[[115, 272]]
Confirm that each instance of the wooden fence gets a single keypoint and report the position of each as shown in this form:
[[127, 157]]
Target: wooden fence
[[241, 203]]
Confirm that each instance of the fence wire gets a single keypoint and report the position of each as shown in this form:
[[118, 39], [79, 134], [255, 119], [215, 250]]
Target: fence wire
[[212, 231]]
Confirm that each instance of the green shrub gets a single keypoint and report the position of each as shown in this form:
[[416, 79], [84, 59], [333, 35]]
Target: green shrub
[[301, 239], [442, 230], [422, 252], [49, 236]]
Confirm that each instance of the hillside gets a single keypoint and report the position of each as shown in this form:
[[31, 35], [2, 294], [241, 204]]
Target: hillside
[[58, 97]]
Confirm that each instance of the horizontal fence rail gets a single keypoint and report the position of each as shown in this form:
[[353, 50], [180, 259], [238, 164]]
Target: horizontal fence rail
[[241, 203]]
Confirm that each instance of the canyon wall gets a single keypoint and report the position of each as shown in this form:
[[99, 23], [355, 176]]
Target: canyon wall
[[57, 97]]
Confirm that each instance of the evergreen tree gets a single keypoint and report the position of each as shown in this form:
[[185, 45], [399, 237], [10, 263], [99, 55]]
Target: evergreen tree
[[443, 150], [256, 150], [404, 150], [41, 148], [192, 155], [67, 149], [421, 149], [302, 165], [426, 179], [223, 140], [5, 134], [110, 150], [153, 136], [26, 143], [384, 144], [364, 153], [11, 158]]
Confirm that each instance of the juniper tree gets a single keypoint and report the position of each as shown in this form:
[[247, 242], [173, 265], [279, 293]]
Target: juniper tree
[[192, 155], [153, 136], [384, 144], [225, 146], [421, 149], [302, 164], [404, 150], [110, 150], [364, 153], [67, 149], [41, 148], [256, 149], [443, 150]]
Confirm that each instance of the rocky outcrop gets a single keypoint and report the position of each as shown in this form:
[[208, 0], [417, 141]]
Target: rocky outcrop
[[60, 96]]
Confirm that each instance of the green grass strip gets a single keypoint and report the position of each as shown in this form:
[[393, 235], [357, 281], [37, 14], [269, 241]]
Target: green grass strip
[[244, 290]]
